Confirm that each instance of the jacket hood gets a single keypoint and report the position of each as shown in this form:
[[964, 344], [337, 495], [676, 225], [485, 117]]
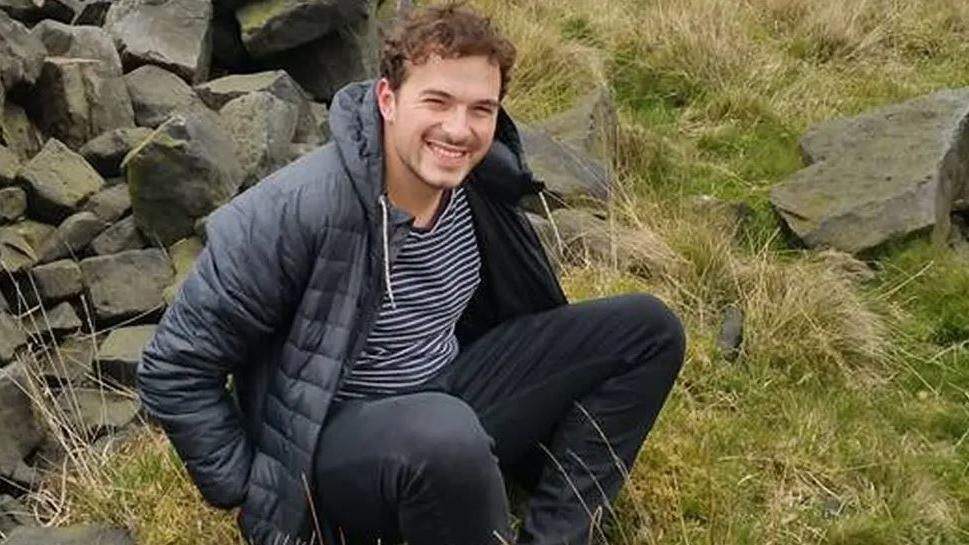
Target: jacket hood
[[357, 129]]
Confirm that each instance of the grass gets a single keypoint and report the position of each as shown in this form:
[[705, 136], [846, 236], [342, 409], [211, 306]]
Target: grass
[[845, 420]]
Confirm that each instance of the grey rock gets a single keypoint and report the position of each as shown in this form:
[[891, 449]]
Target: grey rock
[[70, 535], [880, 175], [31, 11], [13, 203], [20, 243], [111, 203], [67, 362], [157, 94], [16, 253], [262, 127], [323, 66], [174, 34], [33, 232], [21, 54], [74, 102], [731, 333], [93, 410], [121, 236], [12, 338], [106, 151], [120, 353], [81, 42], [58, 181], [19, 132], [312, 116], [93, 12], [218, 92], [57, 321], [184, 171], [14, 514], [58, 280], [591, 126], [571, 176], [72, 235], [127, 284], [587, 239], [20, 433], [9, 165], [272, 26], [183, 255]]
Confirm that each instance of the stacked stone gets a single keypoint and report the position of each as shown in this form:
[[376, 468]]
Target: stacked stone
[[123, 124]]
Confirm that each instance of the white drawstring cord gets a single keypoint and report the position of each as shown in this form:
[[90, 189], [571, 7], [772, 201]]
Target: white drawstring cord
[[390, 289]]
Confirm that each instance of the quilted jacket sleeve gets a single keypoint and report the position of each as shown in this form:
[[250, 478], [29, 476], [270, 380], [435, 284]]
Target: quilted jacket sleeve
[[244, 285]]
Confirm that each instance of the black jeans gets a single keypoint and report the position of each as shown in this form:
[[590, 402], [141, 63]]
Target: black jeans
[[534, 400]]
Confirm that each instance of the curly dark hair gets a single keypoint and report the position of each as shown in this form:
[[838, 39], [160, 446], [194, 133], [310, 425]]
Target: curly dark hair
[[448, 31]]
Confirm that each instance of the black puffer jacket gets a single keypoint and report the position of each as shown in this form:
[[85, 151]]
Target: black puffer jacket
[[283, 297]]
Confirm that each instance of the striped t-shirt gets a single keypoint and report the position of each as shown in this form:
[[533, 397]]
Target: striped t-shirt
[[433, 278]]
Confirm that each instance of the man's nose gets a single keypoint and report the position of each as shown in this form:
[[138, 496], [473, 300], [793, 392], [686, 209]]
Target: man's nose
[[456, 125]]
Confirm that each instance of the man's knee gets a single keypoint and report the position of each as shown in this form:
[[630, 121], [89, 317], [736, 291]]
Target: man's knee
[[660, 327], [444, 440]]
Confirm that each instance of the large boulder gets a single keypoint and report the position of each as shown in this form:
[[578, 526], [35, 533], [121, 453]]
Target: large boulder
[[20, 243], [570, 175], [262, 126], [585, 238], [58, 181], [82, 42], [591, 126], [55, 322], [65, 363], [21, 54], [156, 94], [72, 235], [184, 171], [19, 133], [58, 280], [123, 235], [105, 152], [217, 93], [323, 66], [127, 284], [880, 175], [31, 11], [174, 34], [271, 26], [111, 203], [76, 101], [68, 535], [20, 432], [120, 353], [94, 410]]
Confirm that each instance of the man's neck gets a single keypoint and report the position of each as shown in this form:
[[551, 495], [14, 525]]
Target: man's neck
[[412, 195]]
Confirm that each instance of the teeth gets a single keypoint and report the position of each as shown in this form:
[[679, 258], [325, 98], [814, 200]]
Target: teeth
[[446, 152]]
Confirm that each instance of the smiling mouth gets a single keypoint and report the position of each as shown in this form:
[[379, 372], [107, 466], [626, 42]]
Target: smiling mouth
[[445, 152]]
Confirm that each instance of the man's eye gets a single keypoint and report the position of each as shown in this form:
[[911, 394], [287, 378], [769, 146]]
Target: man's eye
[[434, 101]]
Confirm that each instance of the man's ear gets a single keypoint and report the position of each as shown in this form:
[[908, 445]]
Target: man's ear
[[386, 100]]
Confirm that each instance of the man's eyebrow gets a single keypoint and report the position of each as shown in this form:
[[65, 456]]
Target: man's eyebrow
[[445, 95]]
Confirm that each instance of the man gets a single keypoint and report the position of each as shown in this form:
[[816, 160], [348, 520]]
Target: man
[[398, 341]]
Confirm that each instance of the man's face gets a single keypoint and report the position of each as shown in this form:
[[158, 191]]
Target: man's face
[[440, 123]]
